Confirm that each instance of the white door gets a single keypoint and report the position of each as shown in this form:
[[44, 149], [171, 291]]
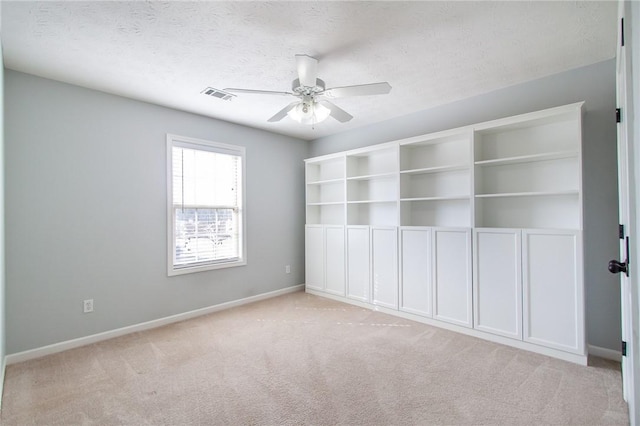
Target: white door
[[314, 257], [627, 200], [452, 275], [334, 260], [415, 274], [384, 257], [358, 263], [497, 281], [553, 296]]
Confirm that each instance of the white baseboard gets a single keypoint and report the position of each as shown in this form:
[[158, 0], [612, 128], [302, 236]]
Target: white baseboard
[[87, 340], [605, 353]]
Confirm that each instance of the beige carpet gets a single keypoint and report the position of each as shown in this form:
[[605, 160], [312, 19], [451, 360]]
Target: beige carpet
[[301, 359]]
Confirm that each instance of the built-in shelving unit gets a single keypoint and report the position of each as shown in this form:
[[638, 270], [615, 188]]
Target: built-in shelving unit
[[435, 180], [476, 229]]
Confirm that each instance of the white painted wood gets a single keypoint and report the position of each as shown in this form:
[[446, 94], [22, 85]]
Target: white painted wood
[[627, 208], [335, 268], [497, 281], [384, 256], [358, 263], [452, 275], [553, 299], [415, 271], [374, 161], [314, 257]]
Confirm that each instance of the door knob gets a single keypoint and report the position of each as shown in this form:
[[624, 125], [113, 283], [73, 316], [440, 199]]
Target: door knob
[[616, 267]]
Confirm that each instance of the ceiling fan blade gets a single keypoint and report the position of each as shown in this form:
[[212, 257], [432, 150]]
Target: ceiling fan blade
[[256, 92], [283, 112], [360, 90], [337, 112], [307, 70]]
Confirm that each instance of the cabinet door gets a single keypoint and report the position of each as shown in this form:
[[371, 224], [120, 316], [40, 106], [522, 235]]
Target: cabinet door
[[358, 264], [384, 255], [415, 274], [497, 281], [314, 257], [335, 262], [553, 289], [452, 275]]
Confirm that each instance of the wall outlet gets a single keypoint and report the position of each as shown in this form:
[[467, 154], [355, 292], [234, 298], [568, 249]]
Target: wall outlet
[[88, 306], [287, 269]]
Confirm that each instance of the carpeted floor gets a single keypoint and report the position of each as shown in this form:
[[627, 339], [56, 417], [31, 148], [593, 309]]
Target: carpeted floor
[[301, 359]]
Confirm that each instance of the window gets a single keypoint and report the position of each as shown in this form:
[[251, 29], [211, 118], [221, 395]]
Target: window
[[205, 205]]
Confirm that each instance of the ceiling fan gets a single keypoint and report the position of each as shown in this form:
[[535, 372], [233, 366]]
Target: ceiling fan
[[312, 105]]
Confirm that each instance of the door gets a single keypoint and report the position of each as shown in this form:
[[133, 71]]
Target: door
[[384, 257], [415, 274], [314, 257], [627, 212], [452, 275], [334, 260], [553, 295], [497, 281], [358, 263]]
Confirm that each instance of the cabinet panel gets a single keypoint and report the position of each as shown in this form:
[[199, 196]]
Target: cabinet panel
[[384, 255], [358, 264], [314, 257], [452, 275], [552, 285], [415, 274], [335, 260], [497, 282]]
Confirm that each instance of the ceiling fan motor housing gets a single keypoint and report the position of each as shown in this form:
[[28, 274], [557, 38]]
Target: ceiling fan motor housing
[[307, 90]]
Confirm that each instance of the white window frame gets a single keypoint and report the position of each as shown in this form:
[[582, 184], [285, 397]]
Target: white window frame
[[193, 143]]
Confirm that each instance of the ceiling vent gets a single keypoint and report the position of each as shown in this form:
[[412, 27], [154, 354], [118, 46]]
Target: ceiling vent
[[210, 91]]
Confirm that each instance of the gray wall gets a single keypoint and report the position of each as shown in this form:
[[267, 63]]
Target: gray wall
[[2, 251], [86, 212], [593, 84]]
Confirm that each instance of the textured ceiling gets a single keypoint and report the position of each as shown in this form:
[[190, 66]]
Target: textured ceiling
[[431, 53]]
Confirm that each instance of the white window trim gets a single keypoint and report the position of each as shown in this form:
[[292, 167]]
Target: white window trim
[[176, 140]]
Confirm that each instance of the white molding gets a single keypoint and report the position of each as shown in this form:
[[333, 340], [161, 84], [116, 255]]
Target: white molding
[[87, 340], [605, 353], [2, 372]]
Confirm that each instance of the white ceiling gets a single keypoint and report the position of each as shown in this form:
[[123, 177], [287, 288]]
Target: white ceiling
[[430, 52]]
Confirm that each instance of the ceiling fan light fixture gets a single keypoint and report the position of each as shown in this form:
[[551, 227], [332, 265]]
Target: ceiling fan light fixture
[[309, 112]]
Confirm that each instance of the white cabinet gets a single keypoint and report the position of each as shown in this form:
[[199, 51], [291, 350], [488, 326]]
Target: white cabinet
[[553, 290], [415, 271], [452, 275], [391, 226], [358, 263], [497, 281], [384, 257], [314, 257], [335, 269]]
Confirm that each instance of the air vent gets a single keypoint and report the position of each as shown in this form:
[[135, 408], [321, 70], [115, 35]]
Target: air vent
[[210, 91]]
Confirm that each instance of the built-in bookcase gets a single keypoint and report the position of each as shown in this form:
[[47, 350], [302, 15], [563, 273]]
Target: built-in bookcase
[[325, 187], [528, 172], [435, 180], [372, 187], [476, 229]]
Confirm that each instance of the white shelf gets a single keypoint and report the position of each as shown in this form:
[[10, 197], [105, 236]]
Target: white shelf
[[529, 158], [438, 169], [374, 176], [446, 198], [326, 181], [332, 203], [371, 201], [528, 194]]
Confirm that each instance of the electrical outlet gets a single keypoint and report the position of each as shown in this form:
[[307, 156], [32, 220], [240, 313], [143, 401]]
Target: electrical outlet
[[88, 306], [287, 269]]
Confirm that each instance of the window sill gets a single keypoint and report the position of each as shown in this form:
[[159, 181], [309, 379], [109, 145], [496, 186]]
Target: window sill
[[202, 268]]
